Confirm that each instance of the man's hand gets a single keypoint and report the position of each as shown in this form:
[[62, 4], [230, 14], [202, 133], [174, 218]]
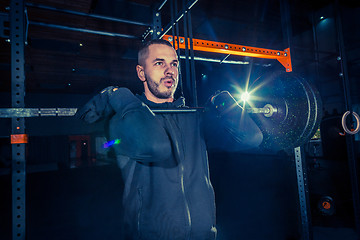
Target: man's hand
[[109, 101]]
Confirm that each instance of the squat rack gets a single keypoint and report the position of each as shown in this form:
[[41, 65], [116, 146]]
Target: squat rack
[[18, 112]]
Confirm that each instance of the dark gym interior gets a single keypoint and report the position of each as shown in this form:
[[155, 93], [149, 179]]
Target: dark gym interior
[[72, 50]]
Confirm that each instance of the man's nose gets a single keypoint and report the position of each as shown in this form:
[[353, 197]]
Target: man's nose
[[169, 71]]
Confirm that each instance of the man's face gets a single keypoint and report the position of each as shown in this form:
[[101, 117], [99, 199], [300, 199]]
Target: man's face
[[160, 73]]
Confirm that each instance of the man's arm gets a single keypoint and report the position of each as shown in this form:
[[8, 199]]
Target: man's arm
[[138, 133]]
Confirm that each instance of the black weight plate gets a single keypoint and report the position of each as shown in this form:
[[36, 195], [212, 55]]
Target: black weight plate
[[315, 111], [299, 110]]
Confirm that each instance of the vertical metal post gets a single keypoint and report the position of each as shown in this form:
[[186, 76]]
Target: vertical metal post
[[303, 190], [187, 62], [175, 32], [286, 23], [192, 62], [301, 170], [316, 47], [17, 35], [353, 164], [156, 24]]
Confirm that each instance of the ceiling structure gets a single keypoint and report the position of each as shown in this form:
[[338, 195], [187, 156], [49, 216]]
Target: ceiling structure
[[61, 57]]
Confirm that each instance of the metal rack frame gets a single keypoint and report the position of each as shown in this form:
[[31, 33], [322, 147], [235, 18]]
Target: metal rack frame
[[234, 49], [18, 137], [188, 43]]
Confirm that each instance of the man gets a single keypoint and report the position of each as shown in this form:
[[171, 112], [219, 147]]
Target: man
[[158, 70], [167, 194]]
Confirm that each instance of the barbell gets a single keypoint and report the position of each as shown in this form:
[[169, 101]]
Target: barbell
[[288, 112], [293, 110], [286, 108]]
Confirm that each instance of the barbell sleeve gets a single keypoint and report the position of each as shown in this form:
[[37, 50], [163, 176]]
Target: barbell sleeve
[[268, 110]]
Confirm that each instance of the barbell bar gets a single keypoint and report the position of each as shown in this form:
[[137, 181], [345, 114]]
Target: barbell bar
[[267, 110], [289, 114], [36, 112]]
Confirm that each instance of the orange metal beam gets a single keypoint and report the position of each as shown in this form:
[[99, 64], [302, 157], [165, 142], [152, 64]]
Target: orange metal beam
[[240, 50]]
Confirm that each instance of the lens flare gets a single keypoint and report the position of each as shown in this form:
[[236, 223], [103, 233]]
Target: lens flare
[[245, 96], [111, 143]]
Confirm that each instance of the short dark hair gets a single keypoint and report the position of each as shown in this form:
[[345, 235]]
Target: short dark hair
[[144, 49]]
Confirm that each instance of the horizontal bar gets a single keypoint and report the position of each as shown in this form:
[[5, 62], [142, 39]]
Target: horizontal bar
[[258, 110], [234, 49], [82, 30], [176, 110], [67, 112], [248, 110], [216, 60], [87, 14], [226, 48], [36, 112]]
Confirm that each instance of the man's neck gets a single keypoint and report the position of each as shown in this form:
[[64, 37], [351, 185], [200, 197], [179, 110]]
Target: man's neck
[[154, 99]]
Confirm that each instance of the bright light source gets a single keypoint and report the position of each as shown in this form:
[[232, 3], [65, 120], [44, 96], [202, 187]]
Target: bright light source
[[245, 96], [322, 17]]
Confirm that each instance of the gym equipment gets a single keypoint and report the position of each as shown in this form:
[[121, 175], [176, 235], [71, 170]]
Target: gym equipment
[[288, 111]]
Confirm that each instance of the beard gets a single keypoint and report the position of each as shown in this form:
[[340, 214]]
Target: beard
[[154, 88]]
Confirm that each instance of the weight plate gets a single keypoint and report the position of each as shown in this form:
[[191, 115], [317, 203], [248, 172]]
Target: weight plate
[[298, 113]]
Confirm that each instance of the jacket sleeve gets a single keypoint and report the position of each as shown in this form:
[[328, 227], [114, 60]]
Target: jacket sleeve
[[227, 127], [132, 125]]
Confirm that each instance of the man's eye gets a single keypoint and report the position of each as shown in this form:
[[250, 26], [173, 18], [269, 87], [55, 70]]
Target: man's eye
[[158, 63], [175, 64]]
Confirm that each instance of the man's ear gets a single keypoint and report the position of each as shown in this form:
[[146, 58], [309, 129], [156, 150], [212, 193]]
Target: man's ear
[[141, 73]]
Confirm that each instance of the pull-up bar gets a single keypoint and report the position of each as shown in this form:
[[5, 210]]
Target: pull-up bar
[[233, 49]]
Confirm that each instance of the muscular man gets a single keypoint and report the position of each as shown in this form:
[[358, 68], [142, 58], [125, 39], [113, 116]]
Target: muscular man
[[163, 158]]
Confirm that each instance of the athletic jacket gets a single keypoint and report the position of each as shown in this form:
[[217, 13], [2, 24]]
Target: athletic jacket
[[168, 194]]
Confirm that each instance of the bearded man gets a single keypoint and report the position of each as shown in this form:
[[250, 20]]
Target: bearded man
[[163, 159]]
